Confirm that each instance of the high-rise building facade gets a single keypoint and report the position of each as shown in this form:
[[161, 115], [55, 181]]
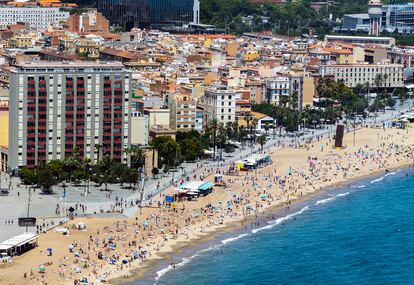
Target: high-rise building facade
[[220, 104], [59, 109], [144, 13]]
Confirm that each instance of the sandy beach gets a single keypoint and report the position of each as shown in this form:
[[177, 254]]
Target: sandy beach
[[110, 248]]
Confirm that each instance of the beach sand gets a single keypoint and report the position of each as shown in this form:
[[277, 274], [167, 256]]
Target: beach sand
[[312, 168]]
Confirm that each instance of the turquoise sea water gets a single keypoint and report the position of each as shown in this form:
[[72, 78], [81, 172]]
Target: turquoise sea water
[[360, 234]]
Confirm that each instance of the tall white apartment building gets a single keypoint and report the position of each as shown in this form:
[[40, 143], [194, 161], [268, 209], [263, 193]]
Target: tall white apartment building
[[182, 112], [58, 109], [38, 18], [353, 74], [276, 90], [220, 104]]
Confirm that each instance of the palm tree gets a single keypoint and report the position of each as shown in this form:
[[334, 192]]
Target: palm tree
[[266, 127], [212, 128], [98, 148], [262, 141], [378, 81]]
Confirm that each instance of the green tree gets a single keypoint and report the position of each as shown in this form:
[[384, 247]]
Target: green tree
[[262, 141], [46, 180], [212, 129], [168, 150], [28, 176]]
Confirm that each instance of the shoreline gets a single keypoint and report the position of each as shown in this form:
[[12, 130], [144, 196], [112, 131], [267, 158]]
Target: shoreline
[[296, 175], [235, 228]]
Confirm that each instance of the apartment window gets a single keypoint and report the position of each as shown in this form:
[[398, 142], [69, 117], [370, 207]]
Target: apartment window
[[222, 117]]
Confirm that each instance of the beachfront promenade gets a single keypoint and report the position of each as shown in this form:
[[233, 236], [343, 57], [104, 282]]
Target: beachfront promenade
[[296, 172], [96, 201]]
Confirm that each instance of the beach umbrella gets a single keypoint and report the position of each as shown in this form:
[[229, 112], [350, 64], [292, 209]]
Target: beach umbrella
[[146, 223], [42, 268], [124, 261]]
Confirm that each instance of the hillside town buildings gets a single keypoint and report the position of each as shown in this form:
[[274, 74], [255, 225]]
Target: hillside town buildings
[[73, 84]]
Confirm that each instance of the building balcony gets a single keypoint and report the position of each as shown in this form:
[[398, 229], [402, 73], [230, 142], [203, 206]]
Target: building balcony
[[107, 104], [107, 89], [31, 112], [118, 81], [32, 135], [31, 105], [41, 142], [80, 81], [80, 90], [40, 127], [69, 89], [31, 81], [42, 135], [41, 158], [41, 105], [42, 81], [31, 128], [107, 112], [118, 89], [42, 112], [42, 89], [42, 120], [119, 104], [31, 89], [107, 81]]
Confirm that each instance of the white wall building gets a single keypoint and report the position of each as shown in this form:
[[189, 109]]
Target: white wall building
[[352, 74], [220, 104], [38, 18], [276, 90]]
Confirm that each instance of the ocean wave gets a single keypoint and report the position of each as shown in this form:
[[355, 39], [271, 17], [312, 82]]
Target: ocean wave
[[184, 261], [280, 220], [358, 186], [233, 238], [382, 178], [323, 201]]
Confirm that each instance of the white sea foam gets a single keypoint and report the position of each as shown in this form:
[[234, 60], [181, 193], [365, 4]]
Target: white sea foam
[[382, 178], [323, 201], [184, 261], [280, 220], [233, 238], [377, 180], [163, 271]]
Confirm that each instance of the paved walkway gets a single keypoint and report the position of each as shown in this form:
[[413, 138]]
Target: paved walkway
[[44, 206]]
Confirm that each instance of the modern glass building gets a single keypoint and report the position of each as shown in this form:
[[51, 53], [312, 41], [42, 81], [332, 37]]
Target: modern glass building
[[146, 13]]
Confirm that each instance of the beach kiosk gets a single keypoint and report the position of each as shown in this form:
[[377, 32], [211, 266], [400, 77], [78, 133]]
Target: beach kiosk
[[19, 244], [200, 188], [218, 180]]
